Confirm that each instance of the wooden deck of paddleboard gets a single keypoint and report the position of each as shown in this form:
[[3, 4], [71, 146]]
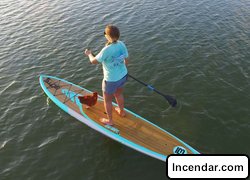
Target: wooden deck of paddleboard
[[131, 127]]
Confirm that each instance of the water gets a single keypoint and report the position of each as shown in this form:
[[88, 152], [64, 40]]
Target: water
[[198, 51]]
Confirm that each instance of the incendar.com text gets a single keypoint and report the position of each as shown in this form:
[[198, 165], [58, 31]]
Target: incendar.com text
[[207, 167]]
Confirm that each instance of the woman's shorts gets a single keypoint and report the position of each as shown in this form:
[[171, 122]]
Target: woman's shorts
[[111, 87]]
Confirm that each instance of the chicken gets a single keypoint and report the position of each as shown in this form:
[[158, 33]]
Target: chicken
[[89, 100]]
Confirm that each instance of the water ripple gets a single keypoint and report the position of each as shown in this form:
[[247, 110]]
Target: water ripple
[[49, 140]]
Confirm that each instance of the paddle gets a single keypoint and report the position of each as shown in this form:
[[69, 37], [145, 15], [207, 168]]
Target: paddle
[[171, 100]]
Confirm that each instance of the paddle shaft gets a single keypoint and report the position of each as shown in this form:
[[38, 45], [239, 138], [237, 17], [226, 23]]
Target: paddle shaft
[[150, 87]]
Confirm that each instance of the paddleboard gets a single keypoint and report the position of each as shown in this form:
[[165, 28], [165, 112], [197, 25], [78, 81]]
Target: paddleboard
[[132, 130]]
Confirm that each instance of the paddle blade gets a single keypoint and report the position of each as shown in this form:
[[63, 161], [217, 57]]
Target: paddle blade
[[172, 101]]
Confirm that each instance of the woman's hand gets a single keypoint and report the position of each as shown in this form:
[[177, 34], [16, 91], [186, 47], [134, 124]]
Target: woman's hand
[[91, 56], [87, 52]]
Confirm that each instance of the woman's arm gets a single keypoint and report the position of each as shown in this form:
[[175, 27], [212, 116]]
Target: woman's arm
[[92, 58]]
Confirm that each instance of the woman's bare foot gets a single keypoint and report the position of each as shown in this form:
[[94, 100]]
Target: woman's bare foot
[[106, 121], [118, 110]]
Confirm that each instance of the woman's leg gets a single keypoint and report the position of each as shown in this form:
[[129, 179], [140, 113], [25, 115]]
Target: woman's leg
[[108, 108], [120, 101]]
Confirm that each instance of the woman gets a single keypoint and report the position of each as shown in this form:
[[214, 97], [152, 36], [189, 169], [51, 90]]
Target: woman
[[114, 59]]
